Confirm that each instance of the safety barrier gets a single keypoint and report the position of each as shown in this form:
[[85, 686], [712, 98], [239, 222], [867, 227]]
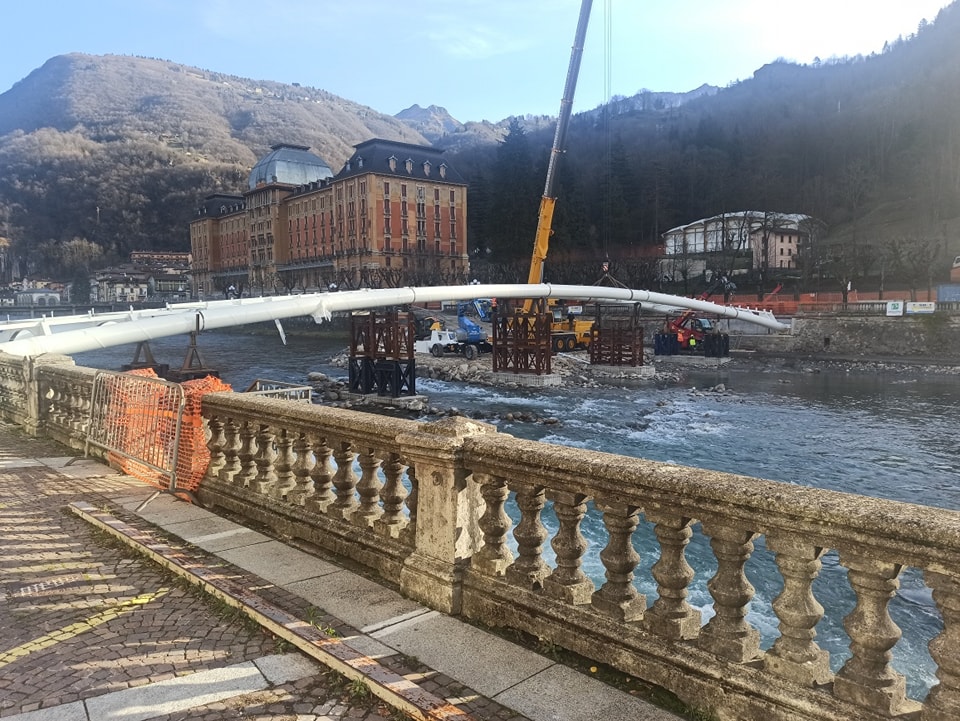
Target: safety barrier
[[136, 417], [152, 429]]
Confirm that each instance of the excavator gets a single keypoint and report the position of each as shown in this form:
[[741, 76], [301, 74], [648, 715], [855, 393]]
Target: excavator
[[567, 331]]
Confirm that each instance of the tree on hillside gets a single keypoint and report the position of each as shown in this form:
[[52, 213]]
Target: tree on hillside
[[514, 200]]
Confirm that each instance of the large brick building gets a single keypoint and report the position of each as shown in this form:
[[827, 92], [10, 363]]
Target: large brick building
[[394, 215]]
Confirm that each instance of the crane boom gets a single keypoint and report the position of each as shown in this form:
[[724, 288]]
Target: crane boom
[[548, 201]]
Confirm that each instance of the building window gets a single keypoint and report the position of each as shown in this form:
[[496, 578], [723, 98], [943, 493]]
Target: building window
[[386, 188]]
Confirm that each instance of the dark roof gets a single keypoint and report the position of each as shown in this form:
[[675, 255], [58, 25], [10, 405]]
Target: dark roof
[[404, 160], [220, 204], [290, 165]]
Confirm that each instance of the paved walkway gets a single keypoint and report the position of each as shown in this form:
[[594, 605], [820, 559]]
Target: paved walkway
[[102, 617]]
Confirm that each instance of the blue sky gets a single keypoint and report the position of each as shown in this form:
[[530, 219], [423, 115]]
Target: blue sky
[[481, 59]]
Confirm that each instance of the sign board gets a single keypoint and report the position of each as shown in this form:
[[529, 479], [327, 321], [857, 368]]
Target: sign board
[[916, 307], [575, 309], [894, 307]]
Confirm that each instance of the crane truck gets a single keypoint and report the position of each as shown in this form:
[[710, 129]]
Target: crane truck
[[690, 333], [566, 330]]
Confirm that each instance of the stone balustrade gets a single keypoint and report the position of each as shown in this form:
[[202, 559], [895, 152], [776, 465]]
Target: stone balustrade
[[475, 522]]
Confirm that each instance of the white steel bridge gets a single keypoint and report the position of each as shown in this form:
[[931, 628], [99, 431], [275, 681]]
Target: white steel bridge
[[79, 333]]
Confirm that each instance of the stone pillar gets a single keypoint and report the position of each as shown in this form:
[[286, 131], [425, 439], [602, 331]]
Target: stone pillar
[[448, 512], [32, 401]]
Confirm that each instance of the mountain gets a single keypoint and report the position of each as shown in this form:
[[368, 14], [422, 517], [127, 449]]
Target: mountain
[[119, 150], [444, 131], [101, 155]]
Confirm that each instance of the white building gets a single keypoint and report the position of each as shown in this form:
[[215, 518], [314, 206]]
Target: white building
[[773, 240]]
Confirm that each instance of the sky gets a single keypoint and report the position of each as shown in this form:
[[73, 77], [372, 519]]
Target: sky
[[480, 59]]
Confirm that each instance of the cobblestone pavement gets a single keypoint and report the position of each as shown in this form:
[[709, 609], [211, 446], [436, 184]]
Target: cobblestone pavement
[[82, 615]]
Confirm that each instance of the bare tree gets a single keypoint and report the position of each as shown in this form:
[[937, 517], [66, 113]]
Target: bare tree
[[919, 259]]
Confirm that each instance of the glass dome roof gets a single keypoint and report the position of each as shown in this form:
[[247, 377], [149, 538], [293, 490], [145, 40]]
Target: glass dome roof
[[289, 164]]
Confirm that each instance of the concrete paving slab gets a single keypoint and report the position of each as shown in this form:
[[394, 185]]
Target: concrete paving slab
[[58, 462], [216, 534], [287, 667], [485, 663], [195, 529], [369, 646], [228, 540], [353, 598], [547, 695], [166, 509], [277, 563], [177, 694], [88, 468]]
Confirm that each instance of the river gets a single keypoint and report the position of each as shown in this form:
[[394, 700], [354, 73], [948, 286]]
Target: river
[[891, 435]]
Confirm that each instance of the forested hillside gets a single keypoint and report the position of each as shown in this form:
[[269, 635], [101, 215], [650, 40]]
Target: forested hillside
[[100, 155], [869, 145]]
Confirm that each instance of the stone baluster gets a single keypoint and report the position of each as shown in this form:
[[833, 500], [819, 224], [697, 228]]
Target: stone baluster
[[53, 400], [75, 416], [368, 488], [283, 465], [247, 456], [795, 655], [86, 403], [264, 459], [494, 555], [618, 598], [728, 634], [345, 482], [394, 494], [529, 569], [303, 484], [215, 445], [231, 450], [568, 582], [409, 533], [867, 679], [671, 616], [943, 701], [322, 476]]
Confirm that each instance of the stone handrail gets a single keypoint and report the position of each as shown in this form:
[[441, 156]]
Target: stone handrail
[[294, 469], [427, 506], [875, 539]]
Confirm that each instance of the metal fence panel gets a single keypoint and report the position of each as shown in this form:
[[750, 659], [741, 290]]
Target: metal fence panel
[[137, 420]]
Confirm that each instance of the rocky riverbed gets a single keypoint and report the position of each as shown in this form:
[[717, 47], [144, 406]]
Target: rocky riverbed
[[574, 370]]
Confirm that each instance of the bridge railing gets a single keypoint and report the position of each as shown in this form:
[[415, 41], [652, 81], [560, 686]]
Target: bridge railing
[[504, 531], [334, 477]]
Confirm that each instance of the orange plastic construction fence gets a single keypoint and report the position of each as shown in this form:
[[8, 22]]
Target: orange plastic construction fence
[[155, 436]]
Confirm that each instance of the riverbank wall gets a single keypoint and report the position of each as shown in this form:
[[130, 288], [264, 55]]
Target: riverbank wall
[[928, 336]]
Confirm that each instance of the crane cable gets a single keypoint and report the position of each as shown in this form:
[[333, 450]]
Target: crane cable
[[608, 148], [607, 207]]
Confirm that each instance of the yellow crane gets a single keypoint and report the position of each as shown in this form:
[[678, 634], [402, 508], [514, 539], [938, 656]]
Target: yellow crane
[[566, 333]]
